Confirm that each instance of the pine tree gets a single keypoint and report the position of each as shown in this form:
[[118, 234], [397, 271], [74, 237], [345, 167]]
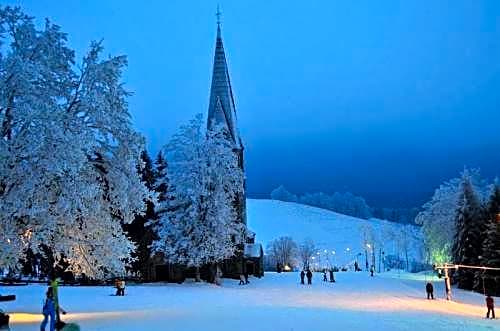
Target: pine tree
[[161, 177], [467, 245], [139, 231], [489, 281]]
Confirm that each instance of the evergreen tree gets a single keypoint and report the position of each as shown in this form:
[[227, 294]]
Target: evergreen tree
[[161, 177], [469, 222], [489, 280], [139, 231]]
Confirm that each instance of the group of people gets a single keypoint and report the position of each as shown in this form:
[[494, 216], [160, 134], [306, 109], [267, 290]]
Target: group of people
[[332, 276], [307, 273]]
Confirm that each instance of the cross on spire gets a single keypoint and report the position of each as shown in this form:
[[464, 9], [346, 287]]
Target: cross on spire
[[218, 15]]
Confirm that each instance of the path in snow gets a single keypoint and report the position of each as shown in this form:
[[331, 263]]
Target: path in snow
[[275, 302]]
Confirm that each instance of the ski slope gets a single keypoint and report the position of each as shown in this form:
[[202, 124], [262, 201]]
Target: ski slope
[[330, 231]]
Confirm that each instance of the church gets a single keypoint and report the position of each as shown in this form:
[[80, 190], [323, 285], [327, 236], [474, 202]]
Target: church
[[222, 110]]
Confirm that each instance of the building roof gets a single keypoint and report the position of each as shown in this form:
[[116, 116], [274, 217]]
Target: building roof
[[221, 109], [253, 250]]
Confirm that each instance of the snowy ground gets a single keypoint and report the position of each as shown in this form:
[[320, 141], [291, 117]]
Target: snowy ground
[[275, 302], [271, 219]]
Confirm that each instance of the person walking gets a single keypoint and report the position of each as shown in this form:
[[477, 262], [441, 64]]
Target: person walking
[[54, 285], [309, 276], [117, 286], [490, 304], [325, 279], [332, 276], [246, 278], [356, 266], [430, 291], [242, 280], [49, 311], [121, 287], [302, 275], [372, 269]]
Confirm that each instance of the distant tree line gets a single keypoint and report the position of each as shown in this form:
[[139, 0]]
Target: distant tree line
[[347, 204]]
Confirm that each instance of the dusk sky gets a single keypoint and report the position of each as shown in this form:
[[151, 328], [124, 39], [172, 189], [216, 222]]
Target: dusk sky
[[385, 99]]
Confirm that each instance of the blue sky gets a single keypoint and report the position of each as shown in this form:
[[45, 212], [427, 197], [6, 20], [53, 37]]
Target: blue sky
[[385, 99]]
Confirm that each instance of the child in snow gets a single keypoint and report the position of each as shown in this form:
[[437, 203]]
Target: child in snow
[[325, 279], [121, 287], [490, 304], [242, 280], [372, 270], [302, 275], [430, 291]]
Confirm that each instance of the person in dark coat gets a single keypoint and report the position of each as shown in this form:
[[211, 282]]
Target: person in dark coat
[[372, 270], [246, 278], [490, 304], [430, 291], [356, 266], [309, 275], [325, 279], [302, 275], [332, 276]]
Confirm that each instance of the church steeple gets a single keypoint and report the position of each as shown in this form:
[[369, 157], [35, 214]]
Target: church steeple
[[221, 109]]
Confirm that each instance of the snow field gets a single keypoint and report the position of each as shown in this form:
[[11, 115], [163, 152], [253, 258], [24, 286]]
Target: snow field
[[275, 302]]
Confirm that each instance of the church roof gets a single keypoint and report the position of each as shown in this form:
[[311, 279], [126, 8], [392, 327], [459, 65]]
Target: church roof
[[221, 109]]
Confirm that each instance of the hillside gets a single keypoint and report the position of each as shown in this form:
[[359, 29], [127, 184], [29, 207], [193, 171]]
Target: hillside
[[330, 231]]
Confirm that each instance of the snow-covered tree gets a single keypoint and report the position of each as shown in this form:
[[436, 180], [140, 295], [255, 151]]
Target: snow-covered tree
[[438, 216], [305, 251], [199, 224], [469, 222], [283, 251], [68, 153]]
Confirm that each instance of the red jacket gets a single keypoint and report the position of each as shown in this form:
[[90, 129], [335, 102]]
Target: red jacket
[[489, 302]]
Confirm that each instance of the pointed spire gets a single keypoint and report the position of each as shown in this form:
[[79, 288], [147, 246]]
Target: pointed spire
[[218, 14], [221, 105]]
